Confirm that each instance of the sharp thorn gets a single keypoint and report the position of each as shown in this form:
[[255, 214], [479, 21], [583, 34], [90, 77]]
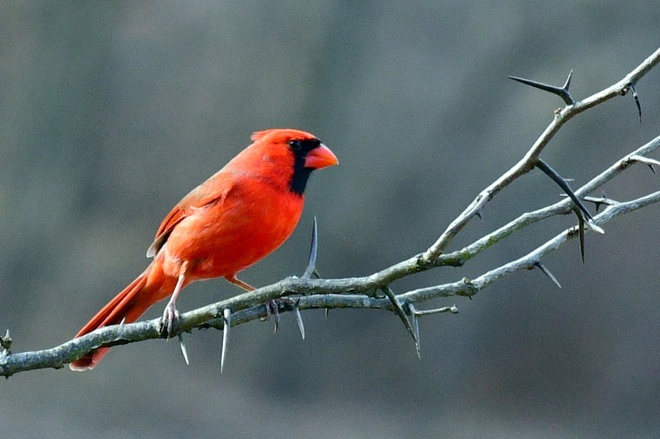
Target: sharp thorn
[[311, 264], [398, 309], [562, 92], [636, 98], [605, 201], [567, 84], [478, 214], [184, 351], [299, 319], [578, 213], [581, 239], [545, 271], [415, 325], [547, 170], [226, 315]]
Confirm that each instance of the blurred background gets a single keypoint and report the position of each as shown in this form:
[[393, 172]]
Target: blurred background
[[112, 111]]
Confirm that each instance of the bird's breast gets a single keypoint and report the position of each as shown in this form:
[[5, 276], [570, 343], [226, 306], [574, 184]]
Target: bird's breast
[[225, 237]]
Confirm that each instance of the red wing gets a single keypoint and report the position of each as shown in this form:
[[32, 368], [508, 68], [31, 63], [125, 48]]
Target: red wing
[[209, 192]]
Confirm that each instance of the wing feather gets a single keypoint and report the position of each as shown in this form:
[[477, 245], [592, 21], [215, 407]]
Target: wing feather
[[211, 191]]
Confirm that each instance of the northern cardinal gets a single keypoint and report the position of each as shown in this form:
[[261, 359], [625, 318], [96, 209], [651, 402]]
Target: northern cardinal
[[229, 222]]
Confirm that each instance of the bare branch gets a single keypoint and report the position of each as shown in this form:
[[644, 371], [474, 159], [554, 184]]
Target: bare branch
[[529, 160], [364, 292]]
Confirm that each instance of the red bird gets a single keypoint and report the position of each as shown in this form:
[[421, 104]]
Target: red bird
[[229, 222]]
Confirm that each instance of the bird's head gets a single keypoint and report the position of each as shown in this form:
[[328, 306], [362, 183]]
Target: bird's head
[[285, 155]]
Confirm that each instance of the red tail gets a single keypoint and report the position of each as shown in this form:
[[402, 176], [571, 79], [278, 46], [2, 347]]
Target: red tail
[[126, 307]]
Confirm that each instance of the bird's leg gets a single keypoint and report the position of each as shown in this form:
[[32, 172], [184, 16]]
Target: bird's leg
[[236, 281], [271, 306], [170, 313]]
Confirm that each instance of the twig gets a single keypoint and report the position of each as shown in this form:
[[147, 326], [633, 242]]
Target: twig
[[361, 292], [530, 158]]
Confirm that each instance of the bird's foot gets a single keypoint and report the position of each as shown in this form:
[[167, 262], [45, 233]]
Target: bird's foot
[[170, 316], [272, 307]]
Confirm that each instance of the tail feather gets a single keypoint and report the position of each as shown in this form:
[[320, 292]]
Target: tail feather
[[127, 307]]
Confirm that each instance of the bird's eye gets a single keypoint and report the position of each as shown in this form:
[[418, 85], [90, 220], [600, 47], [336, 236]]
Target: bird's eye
[[296, 145]]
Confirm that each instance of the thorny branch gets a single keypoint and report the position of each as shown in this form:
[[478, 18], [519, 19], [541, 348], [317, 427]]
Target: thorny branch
[[295, 294]]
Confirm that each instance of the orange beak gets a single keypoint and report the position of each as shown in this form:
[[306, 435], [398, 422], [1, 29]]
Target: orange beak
[[320, 157]]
